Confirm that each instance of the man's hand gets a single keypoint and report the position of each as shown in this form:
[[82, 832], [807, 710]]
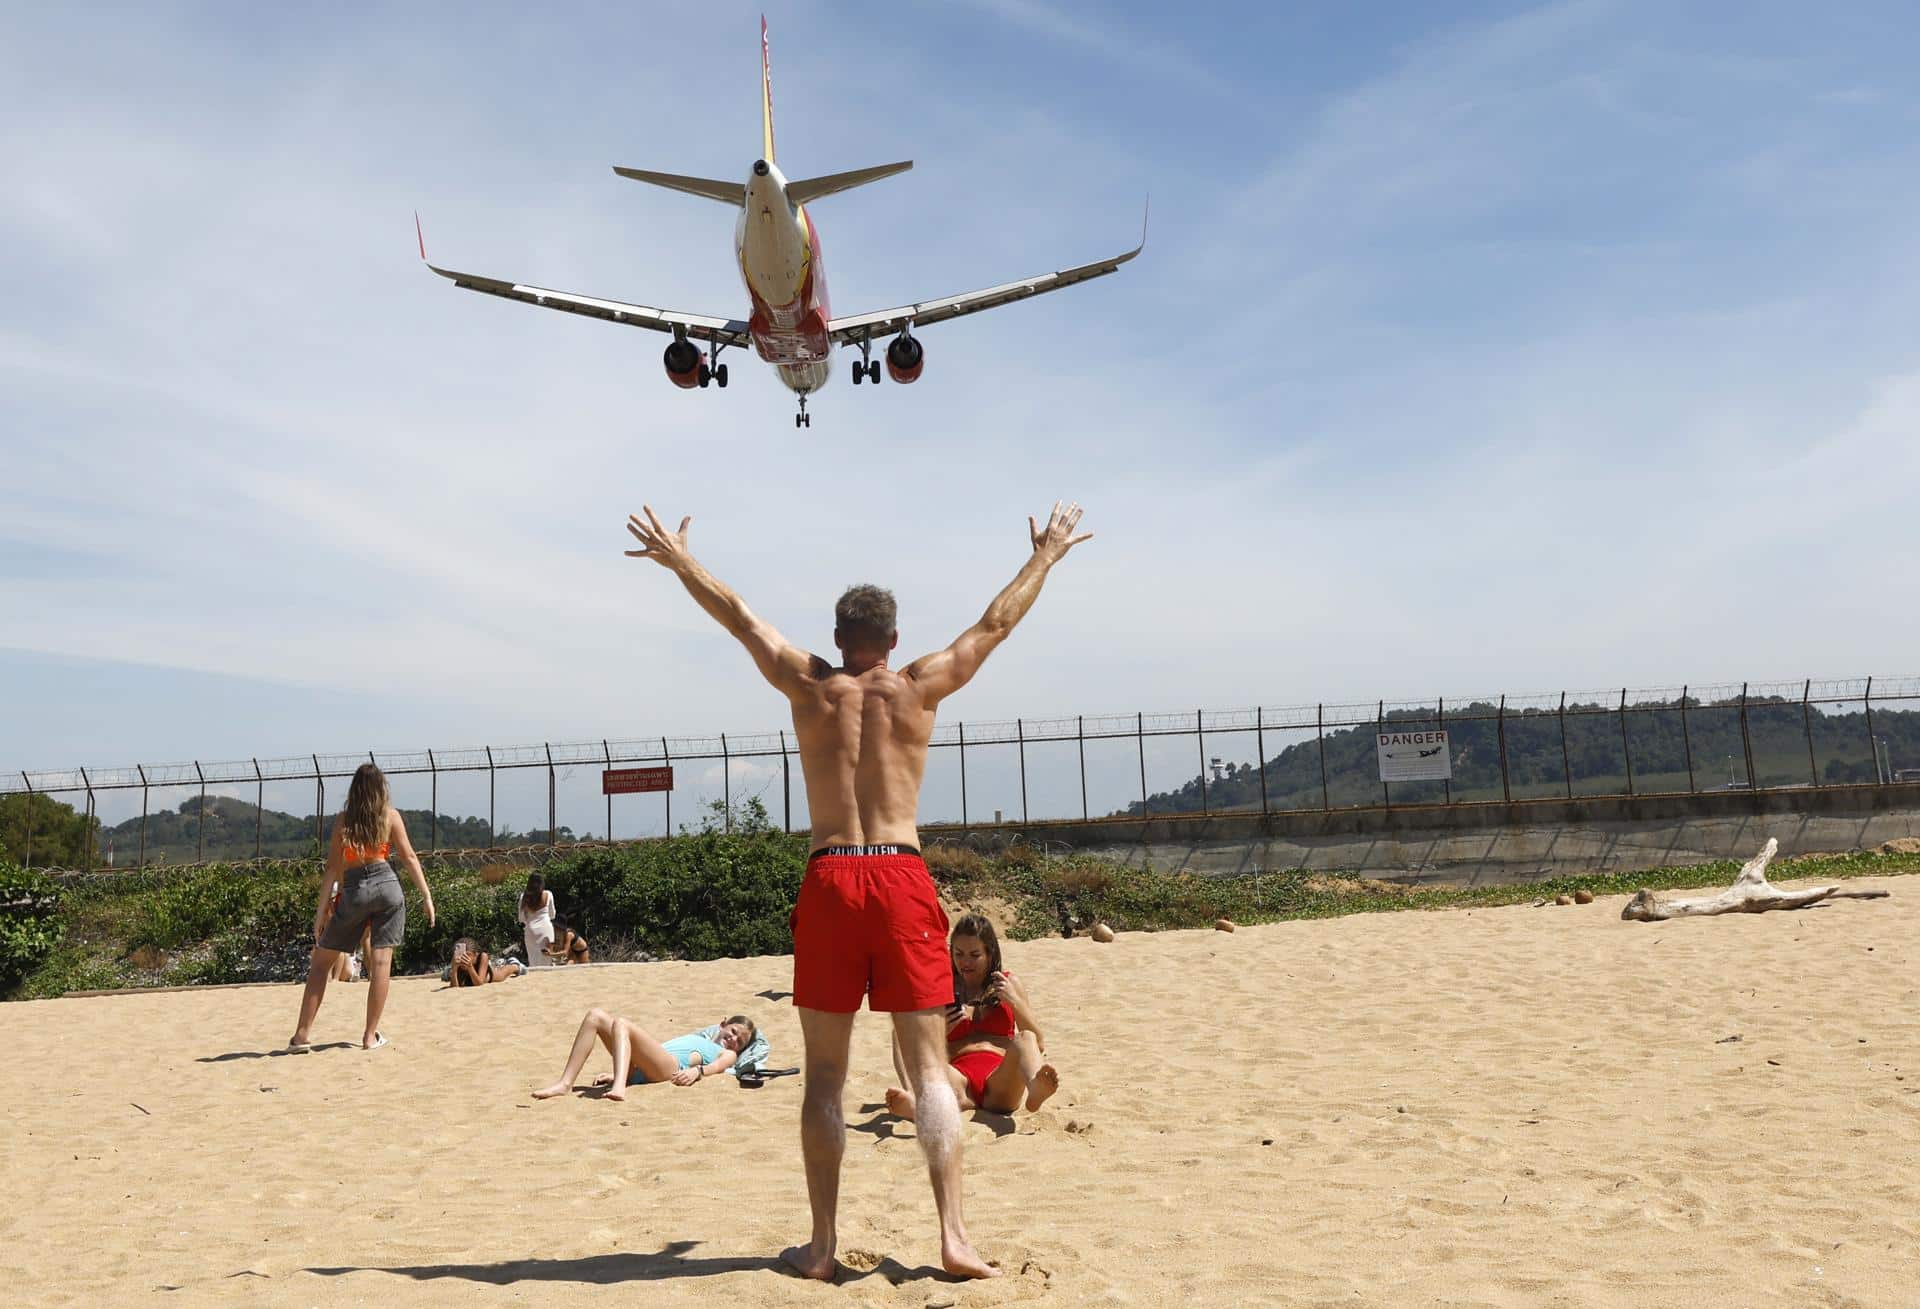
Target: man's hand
[[1057, 537], [668, 549]]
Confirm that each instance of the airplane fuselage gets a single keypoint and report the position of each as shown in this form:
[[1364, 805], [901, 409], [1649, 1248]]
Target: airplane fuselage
[[778, 250]]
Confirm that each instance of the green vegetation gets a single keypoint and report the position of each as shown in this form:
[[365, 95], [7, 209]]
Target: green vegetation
[[701, 895], [54, 834], [704, 894], [30, 926], [1538, 767]]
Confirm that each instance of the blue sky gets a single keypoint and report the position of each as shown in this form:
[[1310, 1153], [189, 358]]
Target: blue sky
[[1475, 347]]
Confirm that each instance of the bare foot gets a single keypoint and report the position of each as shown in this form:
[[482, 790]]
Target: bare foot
[[900, 1103], [614, 1092], [1040, 1090], [548, 1092], [959, 1258], [805, 1261]]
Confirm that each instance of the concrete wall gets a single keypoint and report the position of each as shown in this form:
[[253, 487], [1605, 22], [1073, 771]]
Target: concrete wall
[[1471, 843]]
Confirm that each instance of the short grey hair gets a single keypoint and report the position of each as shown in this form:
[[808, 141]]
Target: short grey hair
[[865, 615]]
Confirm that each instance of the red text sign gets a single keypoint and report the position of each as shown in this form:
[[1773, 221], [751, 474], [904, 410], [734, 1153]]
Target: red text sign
[[625, 781]]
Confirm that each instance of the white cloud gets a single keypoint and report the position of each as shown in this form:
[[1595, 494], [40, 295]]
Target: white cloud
[[1645, 393]]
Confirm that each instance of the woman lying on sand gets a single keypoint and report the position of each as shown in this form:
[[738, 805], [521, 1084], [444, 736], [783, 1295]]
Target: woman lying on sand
[[991, 1018], [638, 1057], [472, 966]]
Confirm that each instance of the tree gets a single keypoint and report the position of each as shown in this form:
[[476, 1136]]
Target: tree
[[59, 832]]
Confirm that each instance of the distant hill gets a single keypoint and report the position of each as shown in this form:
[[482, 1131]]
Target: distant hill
[[1536, 766], [173, 835]]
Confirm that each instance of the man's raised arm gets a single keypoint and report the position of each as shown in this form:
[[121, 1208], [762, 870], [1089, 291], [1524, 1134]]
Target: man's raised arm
[[785, 665], [943, 672]]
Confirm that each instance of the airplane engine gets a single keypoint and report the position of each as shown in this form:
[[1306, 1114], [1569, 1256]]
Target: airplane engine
[[905, 359], [683, 361]]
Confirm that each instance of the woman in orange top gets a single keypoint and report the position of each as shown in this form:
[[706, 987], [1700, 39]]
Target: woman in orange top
[[369, 897]]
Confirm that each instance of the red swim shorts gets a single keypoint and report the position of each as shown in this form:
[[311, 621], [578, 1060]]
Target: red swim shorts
[[870, 925]]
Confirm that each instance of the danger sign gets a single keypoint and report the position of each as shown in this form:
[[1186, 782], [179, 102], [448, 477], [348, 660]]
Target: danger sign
[[1414, 757]]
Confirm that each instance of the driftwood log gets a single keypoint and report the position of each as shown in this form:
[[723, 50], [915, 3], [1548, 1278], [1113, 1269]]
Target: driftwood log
[[1751, 893]]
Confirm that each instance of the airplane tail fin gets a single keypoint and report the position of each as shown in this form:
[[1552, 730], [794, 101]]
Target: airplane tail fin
[[766, 95], [812, 188], [727, 193]]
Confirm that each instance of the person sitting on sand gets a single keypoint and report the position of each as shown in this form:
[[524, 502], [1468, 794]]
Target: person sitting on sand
[[567, 946], [473, 967], [725, 1047], [991, 1018]]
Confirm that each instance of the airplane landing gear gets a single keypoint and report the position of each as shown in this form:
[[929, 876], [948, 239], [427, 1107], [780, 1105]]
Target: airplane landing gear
[[803, 419], [866, 368], [713, 371]]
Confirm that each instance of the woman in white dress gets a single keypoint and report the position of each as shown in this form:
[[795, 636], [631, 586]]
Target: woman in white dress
[[536, 916]]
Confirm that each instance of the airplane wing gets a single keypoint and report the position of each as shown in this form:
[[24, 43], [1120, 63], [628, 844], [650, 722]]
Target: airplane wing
[[721, 331], [927, 312]]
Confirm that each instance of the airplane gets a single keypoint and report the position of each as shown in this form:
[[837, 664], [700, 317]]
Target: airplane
[[777, 246]]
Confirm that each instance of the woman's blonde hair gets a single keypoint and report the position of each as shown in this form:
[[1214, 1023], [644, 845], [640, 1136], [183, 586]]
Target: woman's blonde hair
[[364, 820]]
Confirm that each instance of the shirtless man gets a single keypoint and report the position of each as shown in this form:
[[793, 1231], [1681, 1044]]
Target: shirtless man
[[868, 922]]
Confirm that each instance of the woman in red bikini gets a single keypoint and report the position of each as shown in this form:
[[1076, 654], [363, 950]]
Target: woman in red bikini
[[994, 1044]]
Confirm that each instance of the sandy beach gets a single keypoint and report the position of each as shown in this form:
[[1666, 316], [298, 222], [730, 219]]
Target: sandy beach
[[1500, 1107]]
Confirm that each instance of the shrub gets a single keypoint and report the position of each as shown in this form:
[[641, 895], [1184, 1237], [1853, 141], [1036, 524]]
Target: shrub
[[954, 863], [712, 894], [187, 909], [30, 925]]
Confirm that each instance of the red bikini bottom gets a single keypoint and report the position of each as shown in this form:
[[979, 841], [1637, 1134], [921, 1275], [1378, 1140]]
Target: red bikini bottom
[[977, 1067]]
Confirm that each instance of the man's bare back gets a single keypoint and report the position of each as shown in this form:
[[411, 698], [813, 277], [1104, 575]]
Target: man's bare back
[[863, 749]]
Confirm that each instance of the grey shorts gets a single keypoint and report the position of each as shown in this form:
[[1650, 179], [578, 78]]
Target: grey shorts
[[369, 895]]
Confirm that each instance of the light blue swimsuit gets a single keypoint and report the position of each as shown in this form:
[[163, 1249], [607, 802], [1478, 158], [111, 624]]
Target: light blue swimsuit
[[683, 1049]]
